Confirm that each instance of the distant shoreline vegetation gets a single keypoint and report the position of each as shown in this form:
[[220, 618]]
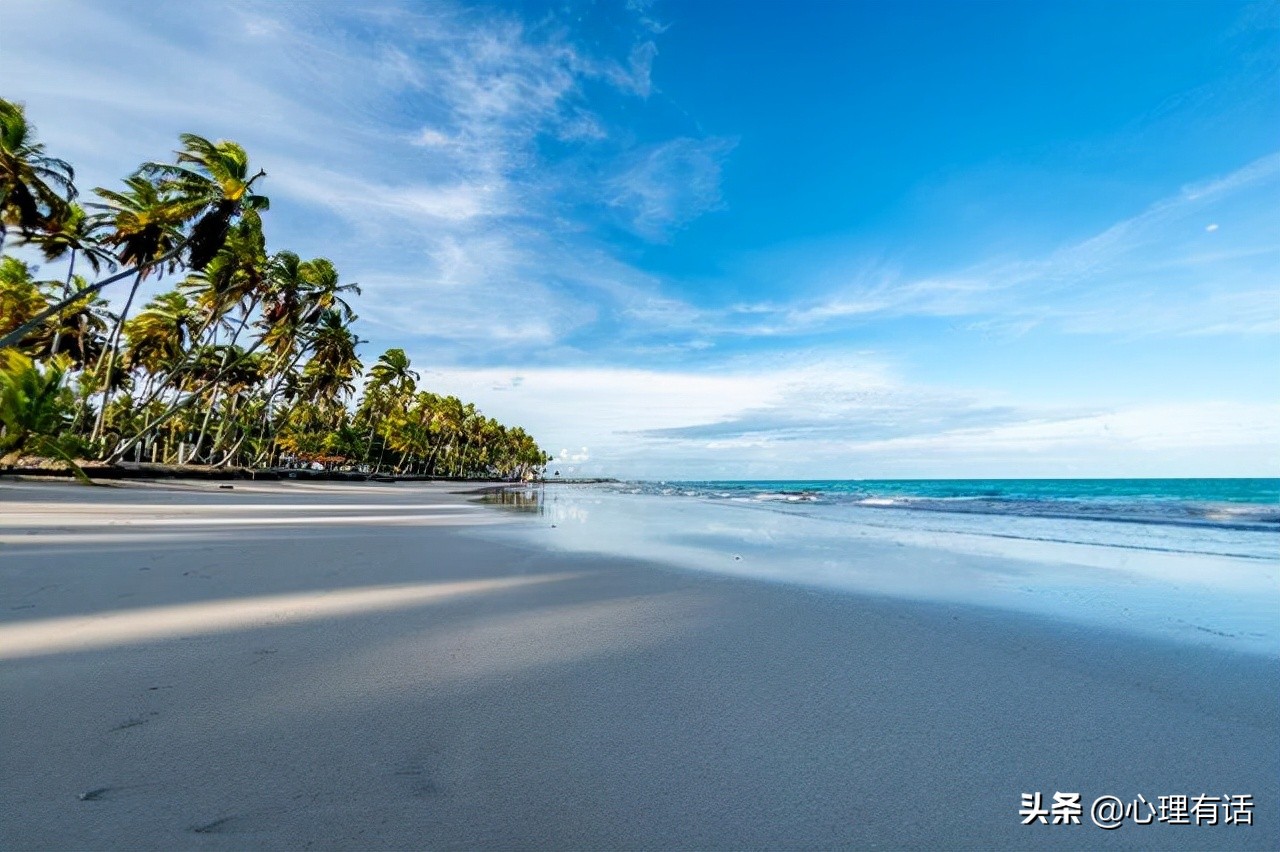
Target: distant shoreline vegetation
[[247, 358]]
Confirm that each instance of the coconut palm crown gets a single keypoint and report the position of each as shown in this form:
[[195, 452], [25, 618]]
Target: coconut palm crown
[[34, 187], [210, 184]]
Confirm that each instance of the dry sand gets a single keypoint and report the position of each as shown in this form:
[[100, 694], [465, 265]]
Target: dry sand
[[327, 666]]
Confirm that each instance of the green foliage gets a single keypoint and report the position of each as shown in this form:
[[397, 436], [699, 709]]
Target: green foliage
[[245, 357], [35, 403], [34, 187], [20, 297]]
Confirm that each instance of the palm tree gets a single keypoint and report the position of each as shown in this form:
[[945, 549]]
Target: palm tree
[[466, 431], [289, 310], [392, 371], [208, 185], [81, 330], [159, 335], [283, 303], [144, 227], [211, 185], [76, 234], [331, 371], [297, 295], [248, 355], [391, 384], [234, 279], [324, 291], [34, 187]]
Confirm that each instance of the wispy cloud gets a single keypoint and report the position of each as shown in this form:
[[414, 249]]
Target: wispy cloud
[[668, 185], [1200, 262], [408, 140], [643, 10]]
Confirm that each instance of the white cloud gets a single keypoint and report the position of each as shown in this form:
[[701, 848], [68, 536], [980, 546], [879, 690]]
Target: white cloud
[[636, 77], [642, 10], [431, 138], [842, 419], [668, 185], [1214, 438], [366, 203]]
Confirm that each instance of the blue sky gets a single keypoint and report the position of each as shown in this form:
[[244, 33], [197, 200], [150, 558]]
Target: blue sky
[[722, 240]]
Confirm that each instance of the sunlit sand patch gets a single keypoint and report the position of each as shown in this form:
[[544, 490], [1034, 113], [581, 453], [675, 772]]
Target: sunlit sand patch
[[129, 627], [194, 521], [50, 543], [498, 646], [52, 513]]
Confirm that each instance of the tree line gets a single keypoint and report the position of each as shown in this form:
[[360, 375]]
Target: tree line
[[245, 358]]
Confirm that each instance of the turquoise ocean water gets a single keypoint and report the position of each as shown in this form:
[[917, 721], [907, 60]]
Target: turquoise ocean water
[[1249, 504], [1194, 560]]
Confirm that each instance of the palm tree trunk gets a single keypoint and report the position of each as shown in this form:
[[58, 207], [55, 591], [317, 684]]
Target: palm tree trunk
[[204, 427], [435, 448], [110, 354], [66, 291], [271, 395], [462, 456], [234, 449], [177, 406], [204, 424], [233, 407]]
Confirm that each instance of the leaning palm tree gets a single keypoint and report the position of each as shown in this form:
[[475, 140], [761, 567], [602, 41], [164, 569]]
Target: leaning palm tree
[[34, 187], [209, 185], [144, 228], [76, 234], [81, 330], [212, 186], [160, 334], [325, 291], [391, 384]]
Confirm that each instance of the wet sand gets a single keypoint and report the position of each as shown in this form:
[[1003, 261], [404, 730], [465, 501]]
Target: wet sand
[[353, 666]]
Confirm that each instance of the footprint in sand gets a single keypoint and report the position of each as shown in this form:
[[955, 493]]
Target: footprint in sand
[[247, 823], [221, 825], [135, 721]]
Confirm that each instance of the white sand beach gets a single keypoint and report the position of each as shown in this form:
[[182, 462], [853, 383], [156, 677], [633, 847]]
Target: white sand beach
[[287, 666]]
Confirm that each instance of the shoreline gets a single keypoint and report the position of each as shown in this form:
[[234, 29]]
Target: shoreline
[[305, 696]]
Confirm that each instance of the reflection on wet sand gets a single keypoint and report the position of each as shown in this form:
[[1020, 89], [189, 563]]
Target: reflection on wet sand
[[522, 499]]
